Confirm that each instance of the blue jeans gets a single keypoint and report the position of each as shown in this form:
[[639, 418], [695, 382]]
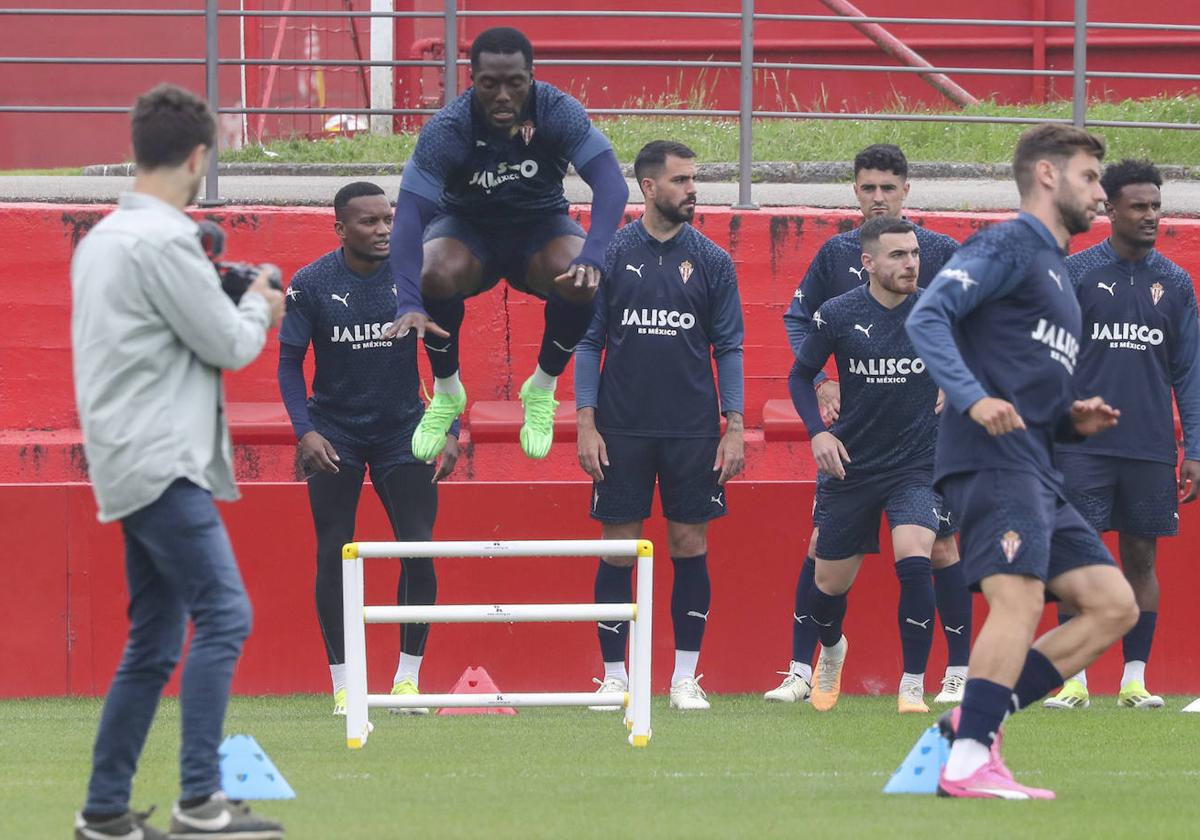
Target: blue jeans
[[179, 564]]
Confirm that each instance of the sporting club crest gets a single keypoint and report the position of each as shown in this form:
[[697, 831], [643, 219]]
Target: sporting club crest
[[1156, 293], [1010, 543], [685, 270], [527, 130]]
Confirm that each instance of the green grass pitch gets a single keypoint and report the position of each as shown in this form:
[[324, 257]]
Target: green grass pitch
[[745, 769]]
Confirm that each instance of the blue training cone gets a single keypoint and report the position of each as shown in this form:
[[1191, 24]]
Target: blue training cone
[[248, 773], [921, 768]]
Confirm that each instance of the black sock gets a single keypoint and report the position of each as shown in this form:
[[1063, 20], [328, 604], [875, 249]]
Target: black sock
[[915, 613], [985, 705], [828, 612], [1137, 642], [192, 803], [614, 585], [443, 352], [101, 816], [1038, 678], [954, 610], [565, 325], [804, 630], [691, 595]]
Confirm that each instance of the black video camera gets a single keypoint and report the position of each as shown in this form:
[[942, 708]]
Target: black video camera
[[236, 277]]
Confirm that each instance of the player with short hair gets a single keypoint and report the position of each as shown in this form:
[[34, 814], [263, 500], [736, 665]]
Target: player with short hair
[[877, 456], [881, 186], [668, 306], [1139, 345], [484, 190], [364, 406], [999, 330]]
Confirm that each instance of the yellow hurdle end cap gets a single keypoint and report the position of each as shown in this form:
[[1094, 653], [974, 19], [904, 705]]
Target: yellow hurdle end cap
[[350, 551], [645, 548], [354, 743], [641, 740]]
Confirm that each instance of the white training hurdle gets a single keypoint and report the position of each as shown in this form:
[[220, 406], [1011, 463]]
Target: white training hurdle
[[357, 615]]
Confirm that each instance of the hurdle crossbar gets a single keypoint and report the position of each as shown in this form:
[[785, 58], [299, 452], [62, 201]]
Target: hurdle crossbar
[[357, 615]]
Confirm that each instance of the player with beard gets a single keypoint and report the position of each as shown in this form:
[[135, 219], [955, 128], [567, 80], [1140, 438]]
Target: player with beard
[[668, 306], [999, 330], [1139, 348], [484, 191], [365, 403]]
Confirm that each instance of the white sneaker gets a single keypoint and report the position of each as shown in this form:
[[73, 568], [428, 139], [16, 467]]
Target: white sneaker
[[952, 689], [606, 685], [688, 696], [793, 689]]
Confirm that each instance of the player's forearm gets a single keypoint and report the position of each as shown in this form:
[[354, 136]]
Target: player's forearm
[[731, 381], [587, 376], [1185, 380], [292, 389], [609, 194], [413, 213], [804, 398]]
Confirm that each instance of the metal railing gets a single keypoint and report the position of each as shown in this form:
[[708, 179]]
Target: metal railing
[[745, 113]]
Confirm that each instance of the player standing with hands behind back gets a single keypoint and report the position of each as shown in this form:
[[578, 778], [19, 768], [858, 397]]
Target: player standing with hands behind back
[[668, 305], [151, 331]]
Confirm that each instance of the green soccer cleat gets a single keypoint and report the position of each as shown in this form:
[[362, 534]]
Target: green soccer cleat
[[339, 702], [1074, 695], [537, 433], [407, 687], [429, 438], [1135, 696]]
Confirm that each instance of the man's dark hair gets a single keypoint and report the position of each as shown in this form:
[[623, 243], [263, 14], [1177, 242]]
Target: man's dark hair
[[168, 123], [1129, 171], [351, 191], [874, 228], [1053, 142], [886, 157], [504, 40], [653, 157]]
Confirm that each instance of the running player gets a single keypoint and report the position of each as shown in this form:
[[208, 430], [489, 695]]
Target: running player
[[365, 403], [1139, 344], [877, 456], [668, 306], [881, 186], [483, 189], [999, 330]]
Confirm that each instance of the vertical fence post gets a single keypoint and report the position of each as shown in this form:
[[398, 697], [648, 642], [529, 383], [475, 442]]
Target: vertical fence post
[[746, 109], [213, 95], [1079, 65], [383, 79], [450, 85]]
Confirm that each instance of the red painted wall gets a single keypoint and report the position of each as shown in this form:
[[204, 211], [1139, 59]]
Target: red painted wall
[[72, 140], [62, 629]]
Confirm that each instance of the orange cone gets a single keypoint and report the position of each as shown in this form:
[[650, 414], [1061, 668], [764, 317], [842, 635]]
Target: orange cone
[[476, 680]]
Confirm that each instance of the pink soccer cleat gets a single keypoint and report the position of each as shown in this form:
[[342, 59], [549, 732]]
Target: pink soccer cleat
[[991, 781]]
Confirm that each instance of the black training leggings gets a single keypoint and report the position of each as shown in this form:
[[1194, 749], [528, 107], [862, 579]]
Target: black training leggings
[[411, 504]]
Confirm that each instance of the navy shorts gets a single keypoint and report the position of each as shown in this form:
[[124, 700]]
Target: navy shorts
[[504, 249], [1013, 524], [380, 455], [1122, 494], [687, 483], [848, 511]]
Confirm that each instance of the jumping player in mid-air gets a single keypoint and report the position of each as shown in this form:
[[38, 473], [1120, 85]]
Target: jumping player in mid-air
[[484, 192]]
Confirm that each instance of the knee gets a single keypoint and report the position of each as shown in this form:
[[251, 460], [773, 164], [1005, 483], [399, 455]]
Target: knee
[[619, 562], [441, 277], [830, 582], [1139, 568], [944, 553], [234, 619], [1121, 612]]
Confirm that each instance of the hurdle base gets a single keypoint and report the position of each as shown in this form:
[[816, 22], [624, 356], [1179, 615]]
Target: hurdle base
[[459, 701]]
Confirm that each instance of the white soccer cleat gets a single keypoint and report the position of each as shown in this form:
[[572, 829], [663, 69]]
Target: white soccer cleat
[[688, 696], [952, 689], [793, 689], [609, 684]]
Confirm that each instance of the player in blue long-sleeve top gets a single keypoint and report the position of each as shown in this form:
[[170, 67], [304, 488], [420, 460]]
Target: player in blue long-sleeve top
[[483, 192], [668, 308], [999, 330], [1140, 340]]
